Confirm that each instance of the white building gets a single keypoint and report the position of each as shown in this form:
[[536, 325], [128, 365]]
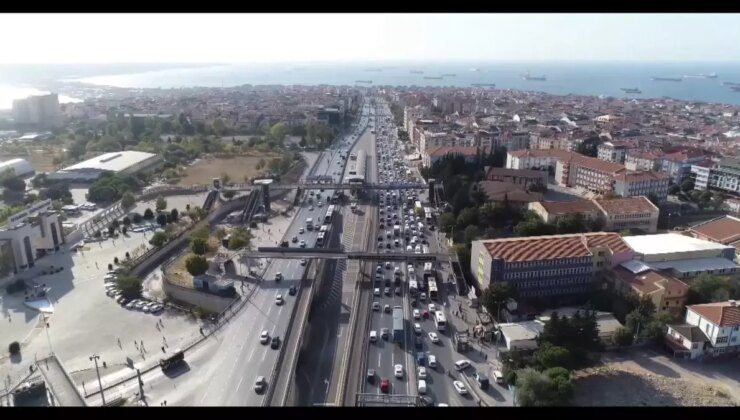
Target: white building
[[20, 167], [710, 329], [521, 336], [126, 162], [38, 110]]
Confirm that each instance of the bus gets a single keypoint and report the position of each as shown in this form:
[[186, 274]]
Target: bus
[[428, 215], [440, 321], [432, 289], [171, 361], [329, 214]]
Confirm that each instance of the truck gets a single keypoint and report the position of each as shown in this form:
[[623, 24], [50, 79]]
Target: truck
[[309, 224], [398, 335]]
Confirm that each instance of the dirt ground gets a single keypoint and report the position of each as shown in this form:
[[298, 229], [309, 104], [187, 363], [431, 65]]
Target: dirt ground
[[203, 171], [176, 272], [40, 160], [646, 378]]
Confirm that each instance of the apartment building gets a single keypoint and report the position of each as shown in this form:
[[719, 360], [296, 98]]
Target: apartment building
[[612, 152], [535, 159], [411, 114], [524, 177], [434, 154], [40, 110], [552, 211], [547, 266], [645, 183], [586, 172], [709, 330], [517, 140], [642, 160], [724, 176], [678, 164], [618, 213], [668, 293]]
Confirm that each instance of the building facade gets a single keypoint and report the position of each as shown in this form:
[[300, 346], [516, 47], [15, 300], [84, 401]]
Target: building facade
[[611, 152], [645, 183], [709, 330]]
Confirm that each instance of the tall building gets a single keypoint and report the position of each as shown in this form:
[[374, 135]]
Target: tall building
[[42, 110]]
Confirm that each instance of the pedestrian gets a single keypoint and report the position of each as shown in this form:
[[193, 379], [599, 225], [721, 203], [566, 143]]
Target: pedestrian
[[163, 350], [119, 342], [105, 365], [201, 331]]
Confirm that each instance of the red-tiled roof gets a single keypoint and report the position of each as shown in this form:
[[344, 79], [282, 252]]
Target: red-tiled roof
[[720, 313], [556, 153], [596, 164], [553, 246], [497, 190], [723, 230], [627, 205], [651, 281], [459, 150], [641, 176], [569, 207]]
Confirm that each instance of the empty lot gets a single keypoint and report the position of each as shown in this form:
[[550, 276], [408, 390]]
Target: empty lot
[[238, 167]]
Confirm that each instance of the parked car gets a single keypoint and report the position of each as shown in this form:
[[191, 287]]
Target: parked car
[[460, 387], [462, 364]]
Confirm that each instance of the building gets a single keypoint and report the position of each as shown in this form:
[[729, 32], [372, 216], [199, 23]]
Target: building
[[523, 177], [20, 167], [678, 164], [547, 266], [645, 183], [723, 230], [518, 140], [535, 159], [430, 156], [708, 330], [586, 172], [126, 162], [41, 110], [521, 336], [611, 152], [605, 321], [642, 160], [629, 213], [515, 194], [724, 176], [668, 293], [700, 173], [29, 235], [683, 256], [552, 211]]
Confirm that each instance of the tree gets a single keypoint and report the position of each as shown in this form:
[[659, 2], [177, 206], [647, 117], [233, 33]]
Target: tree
[[623, 337], [115, 260], [240, 238], [196, 214], [674, 189], [162, 219], [496, 295], [229, 194], [13, 183], [174, 214], [196, 264], [471, 232], [710, 288], [128, 200], [225, 178], [687, 185], [549, 356], [535, 389], [159, 239], [130, 285], [572, 223], [220, 233], [115, 223], [136, 218], [14, 348], [126, 221], [148, 214], [124, 230], [597, 224], [198, 246], [160, 204], [446, 222], [111, 230]]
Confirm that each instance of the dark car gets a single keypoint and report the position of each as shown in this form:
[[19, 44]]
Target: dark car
[[417, 341], [292, 291], [387, 282], [284, 244], [371, 375], [275, 342], [482, 379], [426, 401], [385, 385]]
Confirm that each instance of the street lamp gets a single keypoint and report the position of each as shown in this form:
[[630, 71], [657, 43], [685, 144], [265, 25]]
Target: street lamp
[[94, 358]]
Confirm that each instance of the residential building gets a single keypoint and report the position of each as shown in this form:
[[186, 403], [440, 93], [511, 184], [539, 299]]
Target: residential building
[[586, 172], [611, 152], [535, 159], [725, 176], [701, 173], [552, 211], [645, 183], [523, 177], [547, 266], [668, 293], [678, 164], [629, 213], [642, 160], [517, 140], [708, 330], [514, 194], [432, 155], [41, 110]]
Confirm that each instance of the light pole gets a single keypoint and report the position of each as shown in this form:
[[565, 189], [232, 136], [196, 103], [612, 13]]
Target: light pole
[[94, 358]]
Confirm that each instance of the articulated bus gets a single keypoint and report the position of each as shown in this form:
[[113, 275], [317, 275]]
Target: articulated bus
[[329, 214], [433, 293], [440, 321]]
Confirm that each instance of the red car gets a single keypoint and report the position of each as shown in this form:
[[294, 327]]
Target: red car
[[425, 314], [385, 385]]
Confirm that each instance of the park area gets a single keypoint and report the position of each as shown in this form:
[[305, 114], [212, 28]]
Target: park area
[[237, 167]]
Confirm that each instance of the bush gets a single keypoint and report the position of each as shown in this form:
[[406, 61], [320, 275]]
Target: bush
[[162, 219], [136, 218], [196, 265], [623, 337], [159, 239], [128, 200], [130, 286], [198, 246], [14, 348], [148, 214], [110, 187]]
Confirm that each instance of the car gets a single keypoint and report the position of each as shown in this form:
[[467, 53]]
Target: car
[[260, 384], [303, 261], [388, 245], [111, 292], [423, 297], [417, 328], [300, 231], [384, 333], [157, 308], [292, 290], [422, 386], [398, 371], [279, 299], [373, 336], [432, 361], [121, 299], [295, 239], [422, 372], [417, 315], [432, 308], [303, 244], [376, 291], [319, 204], [278, 276], [387, 265], [130, 305], [275, 342], [498, 376], [387, 308], [376, 306], [426, 401], [434, 337], [482, 380], [398, 291], [425, 314], [371, 375], [264, 337], [460, 387], [387, 291], [462, 364], [418, 342], [310, 208], [385, 385]]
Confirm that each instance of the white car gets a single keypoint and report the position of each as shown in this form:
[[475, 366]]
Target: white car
[[264, 337], [373, 336], [398, 371], [460, 387], [376, 306], [303, 243], [303, 261], [279, 299], [433, 336], [417, 327], [300, 230], [432, 361], [462, 364], [376, 292], [422, 372], [432, 308], [422, 386], [417, 314]]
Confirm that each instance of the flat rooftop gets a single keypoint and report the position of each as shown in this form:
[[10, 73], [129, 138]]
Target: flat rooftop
[[670, 243], [114, 161]]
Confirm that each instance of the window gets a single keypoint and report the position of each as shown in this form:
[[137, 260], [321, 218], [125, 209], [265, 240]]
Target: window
[[722, 340]]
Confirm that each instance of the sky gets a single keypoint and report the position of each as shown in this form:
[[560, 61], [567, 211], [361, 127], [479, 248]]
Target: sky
[[263, 38]]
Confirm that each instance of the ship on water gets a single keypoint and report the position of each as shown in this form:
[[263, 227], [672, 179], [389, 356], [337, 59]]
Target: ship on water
[[730, 84], [367, 82], [700, 76], [433, 77], [735, 88], [474, 69], [449, 75], [483, 84], [631, 90], [667, 79], [417, 72], [528, 76], [374, 69]]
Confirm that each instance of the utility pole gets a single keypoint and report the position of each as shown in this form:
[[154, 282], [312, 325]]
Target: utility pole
[[141, 384], [94, 358]]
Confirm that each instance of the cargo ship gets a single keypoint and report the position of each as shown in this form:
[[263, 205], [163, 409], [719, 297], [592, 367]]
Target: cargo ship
[[735, 88], [474, 69], [449, 75], [700, 76], [631, 90], [484, 84], [433, 77], [667, 79], [417, 71], [374, 69], [364, 81], [730, 84], [528, 76]]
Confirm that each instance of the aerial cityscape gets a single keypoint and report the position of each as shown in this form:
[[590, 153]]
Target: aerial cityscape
[[432, 214]]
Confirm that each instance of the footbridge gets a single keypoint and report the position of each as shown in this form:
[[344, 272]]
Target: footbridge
[[337, 254]]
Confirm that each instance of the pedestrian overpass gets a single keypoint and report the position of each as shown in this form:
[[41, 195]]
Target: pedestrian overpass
[[60, 384], [338, 254]]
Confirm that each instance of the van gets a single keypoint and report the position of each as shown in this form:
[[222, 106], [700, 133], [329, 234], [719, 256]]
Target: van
[[482, 380], [422, 386], [432, 361], [373, 336], [498, 376]]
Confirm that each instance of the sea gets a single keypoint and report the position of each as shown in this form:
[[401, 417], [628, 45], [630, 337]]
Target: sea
[[582, 78]]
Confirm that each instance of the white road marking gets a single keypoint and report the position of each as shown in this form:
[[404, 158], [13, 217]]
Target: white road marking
[[240, 383], [251, 353], [204, 397]]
